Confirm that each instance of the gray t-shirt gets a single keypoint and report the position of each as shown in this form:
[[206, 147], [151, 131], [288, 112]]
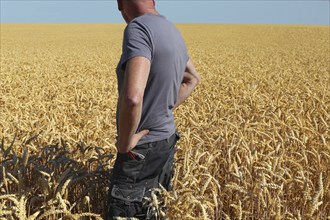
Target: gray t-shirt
[[157, 39]]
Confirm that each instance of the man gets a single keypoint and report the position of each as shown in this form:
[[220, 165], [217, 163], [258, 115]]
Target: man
[[155, 75]]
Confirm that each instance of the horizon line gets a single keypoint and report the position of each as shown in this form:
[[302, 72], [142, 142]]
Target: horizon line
[[184, 23]]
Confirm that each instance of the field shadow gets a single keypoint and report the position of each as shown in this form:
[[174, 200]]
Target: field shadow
[[54, 181]]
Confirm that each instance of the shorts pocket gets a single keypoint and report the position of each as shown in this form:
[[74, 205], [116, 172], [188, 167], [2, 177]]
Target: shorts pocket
[[128, 195], [128, 169]]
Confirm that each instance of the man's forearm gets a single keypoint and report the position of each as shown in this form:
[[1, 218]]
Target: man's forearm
[[129, 119], [184, 92], [130, 103], [190, 80]]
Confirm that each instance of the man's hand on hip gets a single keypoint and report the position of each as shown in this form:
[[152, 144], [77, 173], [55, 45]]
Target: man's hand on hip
[[124, 146]]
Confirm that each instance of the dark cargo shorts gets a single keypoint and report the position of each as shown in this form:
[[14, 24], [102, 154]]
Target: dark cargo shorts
[[135, 173]]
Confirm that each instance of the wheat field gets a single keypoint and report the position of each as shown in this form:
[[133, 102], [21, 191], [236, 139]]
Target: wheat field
[[255, 133]]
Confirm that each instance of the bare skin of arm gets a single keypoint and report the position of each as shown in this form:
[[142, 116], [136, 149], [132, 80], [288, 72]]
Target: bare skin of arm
[[191, 78], [130, 103]]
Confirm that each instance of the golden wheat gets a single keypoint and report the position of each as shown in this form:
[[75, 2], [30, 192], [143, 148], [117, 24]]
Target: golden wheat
[[255, 133]]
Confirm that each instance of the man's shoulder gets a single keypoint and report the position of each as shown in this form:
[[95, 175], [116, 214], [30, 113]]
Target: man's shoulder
[[150, 17], [149, 24], [150, 20]]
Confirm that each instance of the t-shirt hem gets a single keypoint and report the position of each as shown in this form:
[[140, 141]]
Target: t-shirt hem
[[158, 138]]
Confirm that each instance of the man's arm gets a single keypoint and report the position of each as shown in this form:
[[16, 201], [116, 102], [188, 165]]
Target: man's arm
[[191, 78], [130, 103]]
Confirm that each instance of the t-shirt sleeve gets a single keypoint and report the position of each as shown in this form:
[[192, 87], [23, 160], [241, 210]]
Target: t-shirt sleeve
[[137, 42]]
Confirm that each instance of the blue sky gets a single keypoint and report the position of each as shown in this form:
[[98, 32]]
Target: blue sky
[[310, 12]]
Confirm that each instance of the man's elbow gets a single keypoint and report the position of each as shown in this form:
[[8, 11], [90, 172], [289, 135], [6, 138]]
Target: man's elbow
[[133, 100]]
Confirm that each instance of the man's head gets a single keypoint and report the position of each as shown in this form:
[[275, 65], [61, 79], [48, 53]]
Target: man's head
[[131, 9]]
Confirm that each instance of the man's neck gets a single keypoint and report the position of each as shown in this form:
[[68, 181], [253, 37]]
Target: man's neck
[[152, 11], [149, 11]]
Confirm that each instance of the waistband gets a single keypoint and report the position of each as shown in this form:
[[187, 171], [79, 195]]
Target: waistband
[[170, 140]]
